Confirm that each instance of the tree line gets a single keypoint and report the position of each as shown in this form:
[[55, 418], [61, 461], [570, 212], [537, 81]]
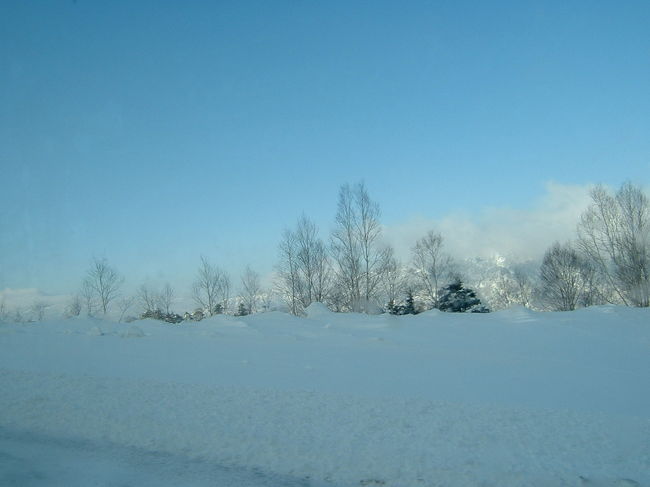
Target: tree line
[[608, 262], [354, 270]]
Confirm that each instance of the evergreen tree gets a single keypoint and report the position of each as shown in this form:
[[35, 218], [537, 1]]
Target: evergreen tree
[[242, 310], [409, 307], [457, 299], [403, 309]]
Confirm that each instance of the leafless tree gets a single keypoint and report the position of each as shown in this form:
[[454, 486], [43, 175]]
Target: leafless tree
[[304, 267], [563, 277], [123, 305], [266, 300], [355, 242], [103, 282], [614, 233], [166, 298], [211, 290], [346, 248], [313, 262], [148, 298], [523, 287], [250, 282], [433, 267], [510, 286], [89, 299], [502, 291], [74, 306], [288, 283], [394, 283]]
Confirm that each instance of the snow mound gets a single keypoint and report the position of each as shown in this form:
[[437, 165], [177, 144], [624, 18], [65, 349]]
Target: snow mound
[[518, 314], [317, 310], [430, 312]]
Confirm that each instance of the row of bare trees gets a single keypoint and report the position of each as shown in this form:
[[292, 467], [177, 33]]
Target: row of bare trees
[[610, 260], [354, 270], [100, 292], [348, 272]]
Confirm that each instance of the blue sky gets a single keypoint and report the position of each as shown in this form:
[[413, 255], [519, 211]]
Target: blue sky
[[153, 132]]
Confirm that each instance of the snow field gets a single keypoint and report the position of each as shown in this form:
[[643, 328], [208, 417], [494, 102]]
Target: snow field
[[512, 398]]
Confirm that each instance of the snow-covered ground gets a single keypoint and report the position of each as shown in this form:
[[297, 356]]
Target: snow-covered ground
[[505, 399]]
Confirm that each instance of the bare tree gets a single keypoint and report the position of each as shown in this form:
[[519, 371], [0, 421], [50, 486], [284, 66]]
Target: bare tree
[[356, 249], [433, 267], [89, 298], [266, 300], [123, 305], [394, 283], [250, 281], [523, 287], [563, 277], [166, 298], [614, 233], [313, 262], [103, 282], [373, 258], [288, 275], [74, 307], [511, 285], [304, 267], [211, 290], [346, 249], [148, 298]]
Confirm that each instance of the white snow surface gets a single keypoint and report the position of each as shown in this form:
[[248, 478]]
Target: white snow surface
[[513, 398]]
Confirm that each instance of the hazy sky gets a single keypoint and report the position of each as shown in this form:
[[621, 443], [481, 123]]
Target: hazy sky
[[150, 133]]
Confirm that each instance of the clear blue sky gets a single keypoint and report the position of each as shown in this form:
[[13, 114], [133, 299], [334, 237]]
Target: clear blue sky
[[153, 132]]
